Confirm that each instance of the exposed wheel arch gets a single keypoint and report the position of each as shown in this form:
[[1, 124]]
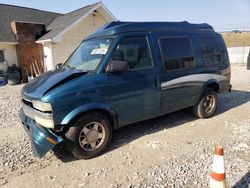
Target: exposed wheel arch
[[89, 136], [113, 119], [199, 108], [214, 85]]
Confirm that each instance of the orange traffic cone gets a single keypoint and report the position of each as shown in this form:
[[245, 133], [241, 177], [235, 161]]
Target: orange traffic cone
[[218, 176]]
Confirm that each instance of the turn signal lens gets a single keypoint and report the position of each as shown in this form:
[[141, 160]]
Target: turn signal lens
[[51, 140]]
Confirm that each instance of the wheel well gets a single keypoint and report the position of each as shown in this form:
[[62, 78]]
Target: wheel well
[[214, 86], [101, 111]]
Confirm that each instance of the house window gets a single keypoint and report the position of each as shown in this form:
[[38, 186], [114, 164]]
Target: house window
[[177, 53], [1, 56], [210, 50], [135, 51]]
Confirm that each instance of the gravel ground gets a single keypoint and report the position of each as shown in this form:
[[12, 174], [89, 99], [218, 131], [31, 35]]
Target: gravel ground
[[9, 106], [175, 150]]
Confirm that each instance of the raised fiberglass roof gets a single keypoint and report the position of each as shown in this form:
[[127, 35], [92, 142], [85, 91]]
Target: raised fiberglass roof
[[118, 27]]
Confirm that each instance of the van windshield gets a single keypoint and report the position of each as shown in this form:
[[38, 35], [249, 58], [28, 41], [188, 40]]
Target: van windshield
[[88, 55]]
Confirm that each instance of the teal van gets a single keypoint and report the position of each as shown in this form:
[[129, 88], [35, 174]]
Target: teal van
[[124, 73]]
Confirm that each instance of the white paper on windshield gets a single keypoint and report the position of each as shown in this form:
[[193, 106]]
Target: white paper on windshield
[[99, 51]]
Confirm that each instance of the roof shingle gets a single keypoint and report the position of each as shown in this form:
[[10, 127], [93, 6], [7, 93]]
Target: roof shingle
[[62, 22], [9, 13]]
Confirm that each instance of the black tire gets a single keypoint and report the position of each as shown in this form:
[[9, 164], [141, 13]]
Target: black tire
[[74, 135], [13, 81], [201, 109]]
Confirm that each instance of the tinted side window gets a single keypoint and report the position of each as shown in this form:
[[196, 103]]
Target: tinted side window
[[177, 53], [210, 50], [135, 51], [1, 56]]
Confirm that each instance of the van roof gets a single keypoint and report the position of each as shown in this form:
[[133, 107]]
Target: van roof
[[120, 27]]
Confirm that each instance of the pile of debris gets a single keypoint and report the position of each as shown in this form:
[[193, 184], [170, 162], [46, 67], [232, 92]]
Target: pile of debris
[[33, 70], [12, 74]]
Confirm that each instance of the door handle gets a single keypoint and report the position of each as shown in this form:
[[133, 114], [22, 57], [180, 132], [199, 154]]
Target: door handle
[[157, 82]]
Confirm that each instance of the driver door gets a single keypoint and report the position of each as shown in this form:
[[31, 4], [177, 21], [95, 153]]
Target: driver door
[[134, 93]]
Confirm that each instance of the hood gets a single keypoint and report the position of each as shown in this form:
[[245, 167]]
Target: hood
[[49, 80]]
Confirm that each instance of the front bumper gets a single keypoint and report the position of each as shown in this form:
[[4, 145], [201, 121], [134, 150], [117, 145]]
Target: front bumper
[[42, 139]]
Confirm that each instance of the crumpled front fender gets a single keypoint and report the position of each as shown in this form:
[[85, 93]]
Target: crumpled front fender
[[42, 139]]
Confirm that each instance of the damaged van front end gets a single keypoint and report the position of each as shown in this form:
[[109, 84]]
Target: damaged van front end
[[35, 122], [37, 111], [52, 101]]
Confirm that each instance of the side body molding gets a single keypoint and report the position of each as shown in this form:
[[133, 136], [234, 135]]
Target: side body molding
[[200, 79]]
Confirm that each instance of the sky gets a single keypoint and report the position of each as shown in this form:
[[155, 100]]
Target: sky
[[223, 15]]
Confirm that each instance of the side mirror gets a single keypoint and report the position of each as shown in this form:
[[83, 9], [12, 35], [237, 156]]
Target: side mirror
[[58, 65], [116, 66]]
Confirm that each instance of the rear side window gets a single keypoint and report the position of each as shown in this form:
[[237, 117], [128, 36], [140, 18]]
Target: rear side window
[[210, 50], [177, 53]]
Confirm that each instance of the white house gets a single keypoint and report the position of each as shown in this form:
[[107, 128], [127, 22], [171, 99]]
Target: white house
[[66, 32], [48, 38]]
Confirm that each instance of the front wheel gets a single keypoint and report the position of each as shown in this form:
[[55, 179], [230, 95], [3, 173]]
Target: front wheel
[[89, 136], [207, 105]]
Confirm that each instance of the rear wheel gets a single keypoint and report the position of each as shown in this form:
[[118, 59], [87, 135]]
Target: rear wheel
[[207, 105], [89, 136]]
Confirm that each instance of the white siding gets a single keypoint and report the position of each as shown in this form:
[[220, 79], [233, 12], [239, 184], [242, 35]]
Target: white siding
[[9, 53], [71, 40], [238, 54], [48, 57]]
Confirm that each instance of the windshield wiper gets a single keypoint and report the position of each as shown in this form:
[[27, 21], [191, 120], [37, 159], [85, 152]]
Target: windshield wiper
[[69, 67], [74, 68]]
